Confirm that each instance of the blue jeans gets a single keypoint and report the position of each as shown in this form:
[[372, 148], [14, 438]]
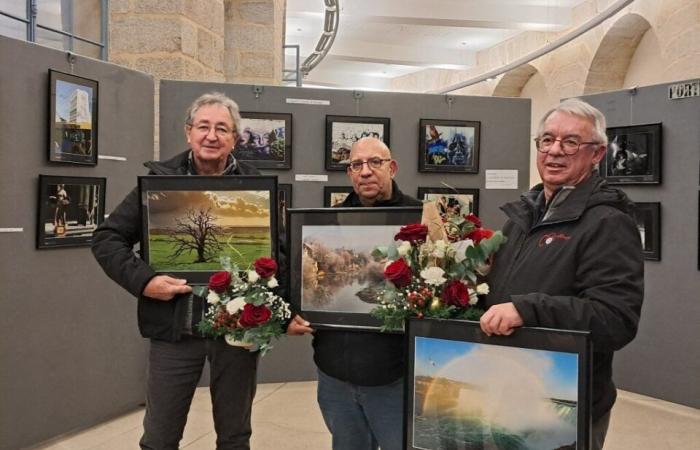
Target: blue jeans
[[362, 417]]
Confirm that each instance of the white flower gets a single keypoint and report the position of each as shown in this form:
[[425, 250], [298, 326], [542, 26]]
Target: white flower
[[213, 298], [404, 248], [433, 275], [482, 289], [439, 249], [472, 297], [272, 283], [460, 248], [235, 305], [253, 276], [230, 340]]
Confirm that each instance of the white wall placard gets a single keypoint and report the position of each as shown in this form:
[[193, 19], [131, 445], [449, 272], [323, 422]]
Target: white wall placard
[[309, 101], [113, 158], [302, 177], [501, 179]]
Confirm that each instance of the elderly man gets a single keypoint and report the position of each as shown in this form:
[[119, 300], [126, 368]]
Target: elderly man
[[168, 312], [360, 374], [573, 259]]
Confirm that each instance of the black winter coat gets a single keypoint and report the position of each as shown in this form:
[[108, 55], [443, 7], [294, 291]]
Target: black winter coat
[[360, 357], [113, 245], [576, 264]]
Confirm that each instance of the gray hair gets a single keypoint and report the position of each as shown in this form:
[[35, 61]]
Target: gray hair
[[215, 98], [578, 107]]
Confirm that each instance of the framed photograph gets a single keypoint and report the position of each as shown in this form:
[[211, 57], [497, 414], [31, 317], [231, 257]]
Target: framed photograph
[[335, 195], [72, 119], [284, 201], [448, 146], [70, 208], [633, 156], [462, 201], [333, 276], [190, 222], [343, 131], [265, 140], [648, 217], [468, 390]]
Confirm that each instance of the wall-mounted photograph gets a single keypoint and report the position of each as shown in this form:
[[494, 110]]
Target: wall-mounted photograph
[[335, 195], [284, 201], [189, 223], [468, 390], [70, 209], [72, 119], [648, 215], [634, 155], [343, 131], [448, 146], [265, 140], [452, 200]]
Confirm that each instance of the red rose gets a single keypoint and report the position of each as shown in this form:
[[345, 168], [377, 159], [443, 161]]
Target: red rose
[[412, 233], [398, 273], [253, 316], [479, 234], [473, 219], [265, 267], [220, 281], [455, 293]]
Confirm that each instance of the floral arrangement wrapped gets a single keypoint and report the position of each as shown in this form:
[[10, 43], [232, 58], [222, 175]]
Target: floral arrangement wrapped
[[243, 309], [436, 269]]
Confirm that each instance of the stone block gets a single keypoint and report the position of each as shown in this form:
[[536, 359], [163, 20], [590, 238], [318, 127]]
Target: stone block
[[256, 64], [170, 67], [249, 38], [210, 50], [209, 14], [118, 6], [258, 12], [137, 34], [189, 38], [159, 6]]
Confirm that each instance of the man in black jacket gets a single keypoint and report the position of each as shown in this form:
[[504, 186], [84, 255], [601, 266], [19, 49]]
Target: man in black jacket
[[360, 374], [573, 259], [167, 312]]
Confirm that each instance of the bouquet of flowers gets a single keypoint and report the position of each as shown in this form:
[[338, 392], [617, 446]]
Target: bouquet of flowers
[[243, 309], [436, 269]]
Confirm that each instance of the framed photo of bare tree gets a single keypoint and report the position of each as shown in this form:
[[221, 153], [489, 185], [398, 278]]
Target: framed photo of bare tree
[[190, 222]]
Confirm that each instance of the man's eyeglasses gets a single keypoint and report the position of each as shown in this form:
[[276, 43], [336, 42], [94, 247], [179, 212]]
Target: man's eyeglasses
[[372, 163], [569, 146], [219, 130]]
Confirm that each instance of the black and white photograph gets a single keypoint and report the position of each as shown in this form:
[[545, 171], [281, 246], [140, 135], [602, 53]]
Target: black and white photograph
[[634, 155], [448, 146], [343, 131], [648, 215], [265, 140]]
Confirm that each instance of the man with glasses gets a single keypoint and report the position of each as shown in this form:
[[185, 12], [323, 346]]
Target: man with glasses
[[573, 259], [168, 312], [360, 374]]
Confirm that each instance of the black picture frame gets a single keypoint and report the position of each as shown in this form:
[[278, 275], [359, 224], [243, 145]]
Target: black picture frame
[[449, 146], [325, 291], [259, 142], [284, 202], [454, 197], [648, 217], [634, 155], [69, 210], [460, 380], [242, 208], [343, 131], [335, 195], [73, 119]]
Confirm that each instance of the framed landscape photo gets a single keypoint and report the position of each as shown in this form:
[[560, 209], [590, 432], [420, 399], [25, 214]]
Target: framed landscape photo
[[531, 389], [72, 119], [452, 200], [334, 279], [633, 156], [343, 131], [265, 140], [448, 146], [335, 195], [70, 209], [648, 216], [190, 222]]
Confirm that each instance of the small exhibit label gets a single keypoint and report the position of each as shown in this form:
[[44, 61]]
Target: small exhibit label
[[308, 101], [684, 90], [302, 177], [502, 179], [113, 158], [11, 230]]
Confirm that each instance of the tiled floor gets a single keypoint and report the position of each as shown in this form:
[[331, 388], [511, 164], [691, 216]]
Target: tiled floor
[[286, 417]]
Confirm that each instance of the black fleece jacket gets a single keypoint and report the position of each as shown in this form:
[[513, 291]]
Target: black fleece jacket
[[360, 357], [575, 264]]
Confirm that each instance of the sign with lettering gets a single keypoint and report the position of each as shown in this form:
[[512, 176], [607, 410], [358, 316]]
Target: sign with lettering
[[684, 90]]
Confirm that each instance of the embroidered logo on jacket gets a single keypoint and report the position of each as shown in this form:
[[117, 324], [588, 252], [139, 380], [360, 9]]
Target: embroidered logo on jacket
[[548, 238]]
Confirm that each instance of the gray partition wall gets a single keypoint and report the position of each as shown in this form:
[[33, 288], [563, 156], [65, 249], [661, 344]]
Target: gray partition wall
[[505, 144], [664, 360], [70, 352]]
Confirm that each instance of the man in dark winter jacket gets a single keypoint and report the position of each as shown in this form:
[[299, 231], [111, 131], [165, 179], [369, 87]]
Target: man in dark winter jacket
[[573, 259], [360, 376], [167, 312]]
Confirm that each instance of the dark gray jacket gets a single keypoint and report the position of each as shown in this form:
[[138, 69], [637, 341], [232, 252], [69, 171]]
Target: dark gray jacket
[[575, 264]]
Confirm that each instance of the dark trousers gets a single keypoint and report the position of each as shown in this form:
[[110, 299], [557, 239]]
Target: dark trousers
[[598, 431], [174, 370]]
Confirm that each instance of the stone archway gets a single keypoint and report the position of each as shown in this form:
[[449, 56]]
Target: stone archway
[[511, 83], [609, 65]]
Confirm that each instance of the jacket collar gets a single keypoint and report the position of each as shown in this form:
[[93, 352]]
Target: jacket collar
[[353, 200], [183, 164]]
